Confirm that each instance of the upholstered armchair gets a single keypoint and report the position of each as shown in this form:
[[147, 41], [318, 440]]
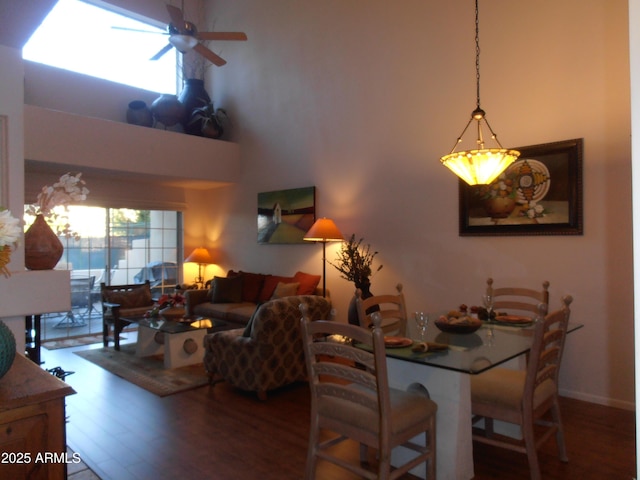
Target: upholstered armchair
[[268, 353], [119, 303]]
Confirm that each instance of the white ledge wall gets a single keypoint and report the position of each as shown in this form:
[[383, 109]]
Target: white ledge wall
[[59, 137]]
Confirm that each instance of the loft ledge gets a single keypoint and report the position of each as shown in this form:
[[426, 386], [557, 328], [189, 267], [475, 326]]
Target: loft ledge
[[55, 136]]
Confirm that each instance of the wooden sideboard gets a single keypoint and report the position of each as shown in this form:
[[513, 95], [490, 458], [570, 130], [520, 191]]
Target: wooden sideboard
[[32, 423]]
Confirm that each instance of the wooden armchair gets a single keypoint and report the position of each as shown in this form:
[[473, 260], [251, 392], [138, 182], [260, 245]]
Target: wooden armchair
[[119, 304]]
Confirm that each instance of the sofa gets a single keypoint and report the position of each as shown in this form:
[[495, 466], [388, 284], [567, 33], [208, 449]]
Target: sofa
[[267, 353], [233, 299]]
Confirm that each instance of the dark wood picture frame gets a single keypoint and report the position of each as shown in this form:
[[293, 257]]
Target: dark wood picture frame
[[284, 216], [539, 194]]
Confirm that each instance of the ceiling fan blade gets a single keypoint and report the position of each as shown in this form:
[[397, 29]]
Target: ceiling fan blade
[[164, 50], [222, 35], [209, 55], [138, 30], [176, 15]]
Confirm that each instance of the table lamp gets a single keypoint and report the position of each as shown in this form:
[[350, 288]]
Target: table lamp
[[202, 257], [324, 230]]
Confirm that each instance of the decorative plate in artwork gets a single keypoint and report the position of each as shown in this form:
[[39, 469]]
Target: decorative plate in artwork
[[532, 179]]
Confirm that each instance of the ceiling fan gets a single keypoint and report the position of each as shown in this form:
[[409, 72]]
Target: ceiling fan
[[184, 36]]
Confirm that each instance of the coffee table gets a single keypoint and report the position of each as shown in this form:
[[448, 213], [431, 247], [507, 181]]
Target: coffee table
[[180, 343]]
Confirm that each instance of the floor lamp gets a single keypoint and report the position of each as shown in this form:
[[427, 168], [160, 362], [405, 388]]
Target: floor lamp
[[202, 257], [324, 230]]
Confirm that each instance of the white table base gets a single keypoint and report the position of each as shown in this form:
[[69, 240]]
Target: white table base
[[451, 392], [172, 346]]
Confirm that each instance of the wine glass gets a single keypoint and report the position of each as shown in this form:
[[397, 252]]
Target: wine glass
[[487, 301], [422, 319]]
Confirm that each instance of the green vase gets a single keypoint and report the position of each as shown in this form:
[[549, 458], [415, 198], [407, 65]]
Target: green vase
[[7, 348]]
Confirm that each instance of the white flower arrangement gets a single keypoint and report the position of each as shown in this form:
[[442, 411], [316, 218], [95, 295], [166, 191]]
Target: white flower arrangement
[[534, 210], [67, 190], [10, 231]]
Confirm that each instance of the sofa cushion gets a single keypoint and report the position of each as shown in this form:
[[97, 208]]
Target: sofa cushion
[[238, 313], [285, 290], [270, 284], [308, 283], [226, 290], [137, 297], [251, 284]]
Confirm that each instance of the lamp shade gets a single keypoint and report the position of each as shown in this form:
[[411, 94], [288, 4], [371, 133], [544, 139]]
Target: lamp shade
[[324, 230], [480, 167], [200, 255]]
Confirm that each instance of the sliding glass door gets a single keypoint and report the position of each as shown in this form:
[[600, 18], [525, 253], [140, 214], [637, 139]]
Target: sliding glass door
[[117, 247]]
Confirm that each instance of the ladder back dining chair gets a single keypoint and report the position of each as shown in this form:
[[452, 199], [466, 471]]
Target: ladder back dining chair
[[351, 397], [523, 300], [391, 307], [526, 397]]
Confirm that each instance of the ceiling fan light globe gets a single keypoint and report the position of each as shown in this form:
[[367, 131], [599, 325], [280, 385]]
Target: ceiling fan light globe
[[183, 43]]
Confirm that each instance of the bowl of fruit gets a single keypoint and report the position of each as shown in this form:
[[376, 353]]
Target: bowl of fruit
[[458, 321]]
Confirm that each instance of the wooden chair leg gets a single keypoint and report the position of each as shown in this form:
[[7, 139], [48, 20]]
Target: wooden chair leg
[[532, 454], [312, 459], [105, 334], [557, 419], [431, 436]]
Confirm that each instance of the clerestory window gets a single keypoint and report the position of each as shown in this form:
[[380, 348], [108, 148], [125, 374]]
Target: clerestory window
[[79, 36]]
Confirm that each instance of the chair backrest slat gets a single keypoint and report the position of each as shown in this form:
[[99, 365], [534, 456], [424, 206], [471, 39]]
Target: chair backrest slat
[[524, 300], [392, 310]]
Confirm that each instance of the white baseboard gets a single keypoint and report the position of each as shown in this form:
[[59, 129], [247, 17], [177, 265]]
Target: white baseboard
[[609, 402]]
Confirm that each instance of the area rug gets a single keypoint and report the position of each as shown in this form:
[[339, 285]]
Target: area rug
[[148, 372], [72, 342]]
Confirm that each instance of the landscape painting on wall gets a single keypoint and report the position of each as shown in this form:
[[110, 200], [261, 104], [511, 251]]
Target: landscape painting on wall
[[284, 216]]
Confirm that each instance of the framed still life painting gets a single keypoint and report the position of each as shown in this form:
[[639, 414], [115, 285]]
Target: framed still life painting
[[284, 216], [538, 194]]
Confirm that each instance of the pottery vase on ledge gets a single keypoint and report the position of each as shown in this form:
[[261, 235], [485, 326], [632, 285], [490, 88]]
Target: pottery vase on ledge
[[42, 247]]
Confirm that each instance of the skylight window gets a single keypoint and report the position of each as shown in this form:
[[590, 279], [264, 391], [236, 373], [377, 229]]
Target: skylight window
[[80, 37]]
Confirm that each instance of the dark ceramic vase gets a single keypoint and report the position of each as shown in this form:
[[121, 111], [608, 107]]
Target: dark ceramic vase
[[167, 109], [193, 96], [42, 247], [7, 348], [139, 114], [352, 312]]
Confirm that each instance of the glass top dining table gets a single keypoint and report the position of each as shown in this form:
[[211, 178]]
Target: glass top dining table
[[472, 353], [446, 374]]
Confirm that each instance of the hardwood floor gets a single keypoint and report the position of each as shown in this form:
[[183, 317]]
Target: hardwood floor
[[123, 432]]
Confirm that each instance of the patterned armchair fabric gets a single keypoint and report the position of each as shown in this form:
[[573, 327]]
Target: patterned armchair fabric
[[272, 355]]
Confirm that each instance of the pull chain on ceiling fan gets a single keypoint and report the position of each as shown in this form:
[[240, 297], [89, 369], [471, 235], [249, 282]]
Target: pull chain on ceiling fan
[[184, 36]]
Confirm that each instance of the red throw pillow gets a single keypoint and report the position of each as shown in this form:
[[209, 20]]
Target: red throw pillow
[[308, 283], [251, 286], [270, 284]]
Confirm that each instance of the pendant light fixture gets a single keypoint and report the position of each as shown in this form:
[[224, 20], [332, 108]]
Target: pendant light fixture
[[481, 165]]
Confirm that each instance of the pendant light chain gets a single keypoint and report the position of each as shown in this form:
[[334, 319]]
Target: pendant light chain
[[479, 166], [477, 57]]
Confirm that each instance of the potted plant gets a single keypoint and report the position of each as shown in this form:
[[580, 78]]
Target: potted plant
[[208, 119], [354, 262]]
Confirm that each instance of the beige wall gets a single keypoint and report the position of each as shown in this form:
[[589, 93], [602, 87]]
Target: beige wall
[[361, 98]]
